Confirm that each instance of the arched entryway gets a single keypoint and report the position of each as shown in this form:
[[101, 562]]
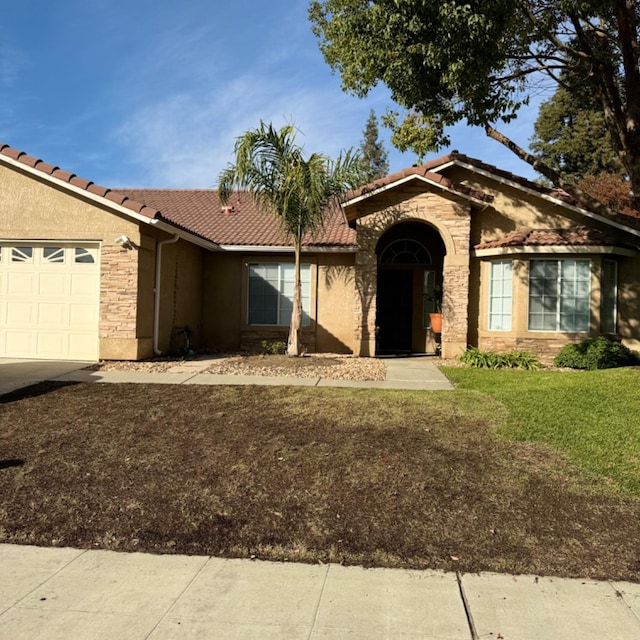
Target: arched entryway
[[410, 258]]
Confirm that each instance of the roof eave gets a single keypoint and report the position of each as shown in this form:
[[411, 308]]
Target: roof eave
[[253, 248], [553, 249], [405, 179]]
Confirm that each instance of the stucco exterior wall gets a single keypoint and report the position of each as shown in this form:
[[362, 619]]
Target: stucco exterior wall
[[335, 302], [512, 208], [225, 287], [221, 300], [180, 296], [629, 301]]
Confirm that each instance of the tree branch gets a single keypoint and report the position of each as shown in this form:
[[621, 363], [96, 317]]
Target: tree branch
[[582, 197]]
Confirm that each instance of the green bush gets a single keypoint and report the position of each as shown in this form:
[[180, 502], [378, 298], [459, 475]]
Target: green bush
[[473, 357], [274, 347], [596, 353]]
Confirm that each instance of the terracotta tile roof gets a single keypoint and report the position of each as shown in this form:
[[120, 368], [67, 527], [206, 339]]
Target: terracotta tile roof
[[423, 171], [201, 212], [574, 237], [198, 211]]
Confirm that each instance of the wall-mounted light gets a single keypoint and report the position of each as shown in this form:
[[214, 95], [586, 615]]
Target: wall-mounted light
[[124, 241]]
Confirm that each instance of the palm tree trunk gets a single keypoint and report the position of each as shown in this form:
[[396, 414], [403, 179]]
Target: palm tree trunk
[[293, 344]]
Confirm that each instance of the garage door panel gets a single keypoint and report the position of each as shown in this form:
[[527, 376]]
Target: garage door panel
[[53, 315], [53, 284], [50, 344], [84, 284], [20, 314], [17, 343], [83, 316], [21, 284], [49, 300]]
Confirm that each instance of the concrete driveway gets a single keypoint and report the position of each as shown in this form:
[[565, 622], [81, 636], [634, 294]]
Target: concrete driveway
[[18, 373]]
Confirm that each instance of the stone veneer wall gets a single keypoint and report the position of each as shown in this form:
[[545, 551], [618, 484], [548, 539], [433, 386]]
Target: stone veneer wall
[[452, 220], [118, 293], [545, 349], [455, 307]]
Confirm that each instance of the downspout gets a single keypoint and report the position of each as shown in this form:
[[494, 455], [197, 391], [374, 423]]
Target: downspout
[[156, 301]]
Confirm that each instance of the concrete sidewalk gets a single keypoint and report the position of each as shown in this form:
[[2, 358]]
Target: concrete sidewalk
[[80, 595]]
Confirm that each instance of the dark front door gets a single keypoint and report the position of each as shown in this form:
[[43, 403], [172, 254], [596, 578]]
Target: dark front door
[[395, 309]]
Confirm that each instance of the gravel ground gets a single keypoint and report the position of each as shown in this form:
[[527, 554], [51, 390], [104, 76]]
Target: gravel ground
[[333, 366]]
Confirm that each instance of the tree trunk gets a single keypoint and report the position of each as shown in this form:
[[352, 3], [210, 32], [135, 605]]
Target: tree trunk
[[293, 344]]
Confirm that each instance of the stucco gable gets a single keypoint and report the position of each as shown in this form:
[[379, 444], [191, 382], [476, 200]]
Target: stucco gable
[[478, 174]]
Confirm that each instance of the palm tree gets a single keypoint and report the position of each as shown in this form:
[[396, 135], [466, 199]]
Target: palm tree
[[297, 189]]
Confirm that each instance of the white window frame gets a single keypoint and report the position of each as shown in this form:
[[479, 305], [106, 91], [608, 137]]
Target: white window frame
[[560, 293], [500, 308], [282, 281]]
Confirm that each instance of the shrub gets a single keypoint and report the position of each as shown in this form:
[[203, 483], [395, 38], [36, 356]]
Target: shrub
[[596, 353], [274, 347], [473, 357]]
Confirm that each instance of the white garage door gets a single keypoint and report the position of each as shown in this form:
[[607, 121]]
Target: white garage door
[[49, 300]]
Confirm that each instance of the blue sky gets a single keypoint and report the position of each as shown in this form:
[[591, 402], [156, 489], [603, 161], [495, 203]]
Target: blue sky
[[154, 93]]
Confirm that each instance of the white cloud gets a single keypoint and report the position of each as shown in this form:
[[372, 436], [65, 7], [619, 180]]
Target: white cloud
[[187, 139]]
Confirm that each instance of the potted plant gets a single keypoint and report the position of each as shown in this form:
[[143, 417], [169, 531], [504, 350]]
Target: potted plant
[[435, 297]]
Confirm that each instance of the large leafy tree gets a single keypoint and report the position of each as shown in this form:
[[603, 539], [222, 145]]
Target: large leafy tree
[[374, 156], [571, 136], [452, 61], [297, 188]]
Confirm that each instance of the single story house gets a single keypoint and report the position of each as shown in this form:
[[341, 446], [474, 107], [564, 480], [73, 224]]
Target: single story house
[[88, 272]]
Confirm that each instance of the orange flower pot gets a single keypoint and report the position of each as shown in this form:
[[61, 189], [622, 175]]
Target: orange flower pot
[[436, 322]]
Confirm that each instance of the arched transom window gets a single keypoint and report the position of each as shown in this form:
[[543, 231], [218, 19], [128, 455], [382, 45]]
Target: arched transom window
[[405, 252]]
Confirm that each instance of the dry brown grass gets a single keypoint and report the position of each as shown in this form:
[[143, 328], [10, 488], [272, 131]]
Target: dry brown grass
[[333, 475]]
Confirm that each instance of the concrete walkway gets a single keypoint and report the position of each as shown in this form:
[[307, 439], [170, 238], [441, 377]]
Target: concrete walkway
[[418, 372], [69, 594]]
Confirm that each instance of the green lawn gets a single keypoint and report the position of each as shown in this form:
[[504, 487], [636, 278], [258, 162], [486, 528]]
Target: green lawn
[[593, 417]]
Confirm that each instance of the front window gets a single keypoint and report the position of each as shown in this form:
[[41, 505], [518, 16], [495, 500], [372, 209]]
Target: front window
[[271, 287], [559, 295], [500, 296]]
